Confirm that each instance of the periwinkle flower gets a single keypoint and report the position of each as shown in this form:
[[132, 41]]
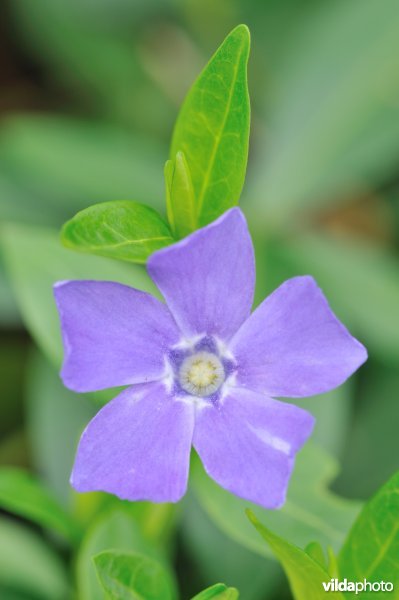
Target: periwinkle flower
[[200, 369]]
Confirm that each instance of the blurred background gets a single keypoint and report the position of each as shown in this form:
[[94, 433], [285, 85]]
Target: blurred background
[[90, 90]]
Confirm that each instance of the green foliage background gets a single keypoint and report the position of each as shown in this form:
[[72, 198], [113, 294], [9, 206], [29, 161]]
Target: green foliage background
[[90, 94]]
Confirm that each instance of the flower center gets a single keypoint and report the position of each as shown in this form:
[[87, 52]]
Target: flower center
[[201, 374]]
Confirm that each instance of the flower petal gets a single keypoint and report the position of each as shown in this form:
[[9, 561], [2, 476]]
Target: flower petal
[[208, 278], [137, 447], [248, 444], [113, 334], [293, 345]]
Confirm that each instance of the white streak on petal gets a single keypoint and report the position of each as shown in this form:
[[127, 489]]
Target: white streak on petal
[[271, 440]]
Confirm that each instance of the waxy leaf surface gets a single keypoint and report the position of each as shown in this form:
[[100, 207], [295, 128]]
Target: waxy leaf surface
[[180, 197], [305, 575], [371, 550], [212, 129], [123, 230]]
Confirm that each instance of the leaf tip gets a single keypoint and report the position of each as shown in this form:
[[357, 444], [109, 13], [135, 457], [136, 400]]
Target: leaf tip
[[241, 31]]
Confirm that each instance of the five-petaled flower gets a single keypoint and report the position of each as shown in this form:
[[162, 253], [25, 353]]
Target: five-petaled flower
[[201, 370]]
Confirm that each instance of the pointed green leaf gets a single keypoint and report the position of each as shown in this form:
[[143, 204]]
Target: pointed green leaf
[[123, 230], [311, 511], [180, 198], [219, 591], [371, 550], [212, 129], [130, 576], [23, 495], [305, 575]]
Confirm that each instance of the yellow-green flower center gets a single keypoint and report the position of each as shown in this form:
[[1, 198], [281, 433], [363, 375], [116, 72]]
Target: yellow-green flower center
[[201, 374]]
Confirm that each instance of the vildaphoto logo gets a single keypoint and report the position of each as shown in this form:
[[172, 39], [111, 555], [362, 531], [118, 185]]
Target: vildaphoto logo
[[335, 585]]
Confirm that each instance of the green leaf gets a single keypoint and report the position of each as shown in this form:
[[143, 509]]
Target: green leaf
[[133, 577], [212, 129], [116, 529], [311, 511], [123, 230], [305, 575], [180, 198], [219, 591], [28, 564], [22, 494], [35, 260], [371, 550]]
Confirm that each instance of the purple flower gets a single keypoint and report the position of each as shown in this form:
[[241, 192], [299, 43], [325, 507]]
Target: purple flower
[[200, 369]]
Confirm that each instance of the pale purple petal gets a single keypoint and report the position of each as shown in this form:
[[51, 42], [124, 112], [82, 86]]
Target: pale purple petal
[[293, 345], [137, 447], [207, 279], [248, 444], [113, 334]]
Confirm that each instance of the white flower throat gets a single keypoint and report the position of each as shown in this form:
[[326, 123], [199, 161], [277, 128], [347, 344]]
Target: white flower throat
[[201, 374]]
